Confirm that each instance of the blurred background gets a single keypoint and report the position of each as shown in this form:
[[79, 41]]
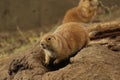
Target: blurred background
[[34, 14]]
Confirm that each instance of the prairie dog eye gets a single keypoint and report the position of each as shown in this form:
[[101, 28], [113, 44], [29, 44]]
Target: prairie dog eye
[[49, 39]]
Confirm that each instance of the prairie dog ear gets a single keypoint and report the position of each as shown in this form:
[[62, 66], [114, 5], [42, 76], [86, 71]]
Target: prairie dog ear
[[53, 37]]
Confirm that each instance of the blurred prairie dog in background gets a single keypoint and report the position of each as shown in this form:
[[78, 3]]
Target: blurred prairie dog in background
[[84, 12]]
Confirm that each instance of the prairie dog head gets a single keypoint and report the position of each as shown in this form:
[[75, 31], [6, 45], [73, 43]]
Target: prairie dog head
[[48, 42], [93, 4]]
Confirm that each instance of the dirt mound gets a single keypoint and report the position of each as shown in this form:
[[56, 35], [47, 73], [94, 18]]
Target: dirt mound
[[94, 62]]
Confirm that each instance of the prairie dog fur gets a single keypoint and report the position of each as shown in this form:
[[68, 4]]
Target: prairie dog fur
[[65, 41], [84, 12]]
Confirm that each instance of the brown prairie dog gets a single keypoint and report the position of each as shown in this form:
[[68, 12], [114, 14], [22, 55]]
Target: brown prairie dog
[[64, 42], [85, 12]]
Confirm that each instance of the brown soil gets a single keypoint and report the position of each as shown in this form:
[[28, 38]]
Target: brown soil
[[94, 62]]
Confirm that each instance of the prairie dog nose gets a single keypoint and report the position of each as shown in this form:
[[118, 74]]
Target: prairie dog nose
[[43, 45]]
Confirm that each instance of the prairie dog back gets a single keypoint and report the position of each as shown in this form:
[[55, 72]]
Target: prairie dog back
[[65, 41]]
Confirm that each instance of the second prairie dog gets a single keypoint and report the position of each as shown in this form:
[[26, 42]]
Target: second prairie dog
[[67, 39], [84, 12]]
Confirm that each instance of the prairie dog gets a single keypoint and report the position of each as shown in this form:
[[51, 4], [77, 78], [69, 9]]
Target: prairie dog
[[84, 12], [65, 41]]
